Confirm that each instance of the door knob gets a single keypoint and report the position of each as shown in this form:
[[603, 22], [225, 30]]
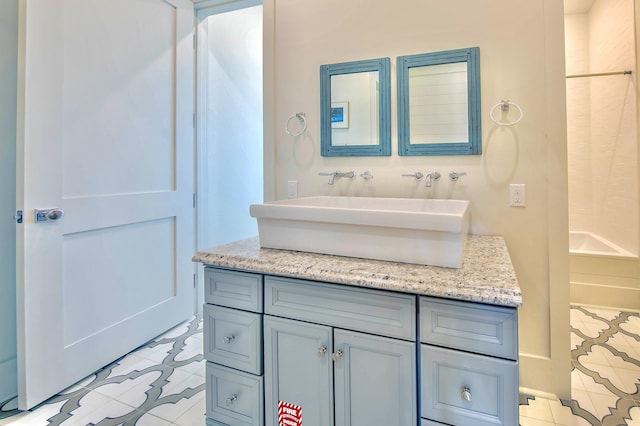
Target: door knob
[[322, 350], [43, 215], [337, 355]]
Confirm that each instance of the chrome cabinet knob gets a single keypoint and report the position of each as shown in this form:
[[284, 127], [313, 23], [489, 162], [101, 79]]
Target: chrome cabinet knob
[[466, 393], [337, 355], [229, 339], [322, 350], [231, 400]]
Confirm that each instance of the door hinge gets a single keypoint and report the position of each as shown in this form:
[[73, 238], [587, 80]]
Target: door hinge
[[195, 281], [195, 120], [194, 200], [194, 40], [18, 216]]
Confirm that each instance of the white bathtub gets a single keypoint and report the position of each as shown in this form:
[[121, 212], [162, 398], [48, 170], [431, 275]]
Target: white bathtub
[[602, 273], [587, 243]]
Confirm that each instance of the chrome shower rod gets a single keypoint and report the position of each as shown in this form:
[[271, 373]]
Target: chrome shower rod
[[628, 72]]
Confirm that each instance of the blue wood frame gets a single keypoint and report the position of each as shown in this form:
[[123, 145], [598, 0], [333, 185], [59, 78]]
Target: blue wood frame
[[474, 145], [383, 66]]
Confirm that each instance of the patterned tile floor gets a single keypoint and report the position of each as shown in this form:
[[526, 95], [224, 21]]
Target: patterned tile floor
[[162, 383], [605, 377]]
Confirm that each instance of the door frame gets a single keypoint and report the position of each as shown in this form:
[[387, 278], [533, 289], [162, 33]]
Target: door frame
[[203, 10]]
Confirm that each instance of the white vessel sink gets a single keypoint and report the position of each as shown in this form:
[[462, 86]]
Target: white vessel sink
[[422, 231]]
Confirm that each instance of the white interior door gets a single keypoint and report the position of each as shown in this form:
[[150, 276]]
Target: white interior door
[[105, 132]]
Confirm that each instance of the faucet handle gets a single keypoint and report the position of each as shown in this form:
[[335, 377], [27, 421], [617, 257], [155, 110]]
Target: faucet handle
[[366, 175], [417, 175], [455, 175]]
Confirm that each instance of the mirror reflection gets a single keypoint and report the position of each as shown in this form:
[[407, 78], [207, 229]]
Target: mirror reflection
[[439, 103], [355, 108]]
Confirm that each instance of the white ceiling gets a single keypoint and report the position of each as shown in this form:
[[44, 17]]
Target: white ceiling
[[577, 6], [570, 6]]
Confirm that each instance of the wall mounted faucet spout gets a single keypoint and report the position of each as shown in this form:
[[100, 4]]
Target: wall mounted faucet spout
[[427, 179], [337, 174]]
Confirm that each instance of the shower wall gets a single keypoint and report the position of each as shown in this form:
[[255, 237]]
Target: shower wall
[[578, 122], [602, 123]]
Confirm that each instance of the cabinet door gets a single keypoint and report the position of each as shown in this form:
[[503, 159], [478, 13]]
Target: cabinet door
[[298, 370], [375, 381]]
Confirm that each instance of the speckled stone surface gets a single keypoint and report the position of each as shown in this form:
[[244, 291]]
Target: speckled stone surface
[[486, 276]]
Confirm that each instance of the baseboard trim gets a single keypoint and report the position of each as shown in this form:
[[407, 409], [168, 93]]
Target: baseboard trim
[[606, 296], [8, 379], [535, 376]]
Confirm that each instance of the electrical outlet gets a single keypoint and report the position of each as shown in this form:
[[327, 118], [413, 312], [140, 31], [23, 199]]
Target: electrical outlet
[[517, 195], [292, 189]]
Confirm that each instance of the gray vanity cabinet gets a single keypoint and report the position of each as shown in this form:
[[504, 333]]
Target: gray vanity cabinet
[[354, 356], [330, 368]]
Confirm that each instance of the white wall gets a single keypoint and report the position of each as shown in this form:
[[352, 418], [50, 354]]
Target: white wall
[[8, 70], [522, 58], [579, 122], [234, 169], [614, 132]]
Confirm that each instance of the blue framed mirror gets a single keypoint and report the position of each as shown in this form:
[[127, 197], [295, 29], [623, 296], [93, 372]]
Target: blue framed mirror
[[439, 103], [355, 108]]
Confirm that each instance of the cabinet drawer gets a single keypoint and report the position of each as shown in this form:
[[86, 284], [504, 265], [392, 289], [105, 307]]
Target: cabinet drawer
[[234, 397], [492, 385], [233, 289], [374, 311], [484, 329], [233, 338]]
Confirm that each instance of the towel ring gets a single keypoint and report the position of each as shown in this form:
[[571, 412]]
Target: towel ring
[[504, 106], [300, 116]]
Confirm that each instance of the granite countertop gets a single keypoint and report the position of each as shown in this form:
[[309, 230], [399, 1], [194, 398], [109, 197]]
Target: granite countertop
[[486, 276]]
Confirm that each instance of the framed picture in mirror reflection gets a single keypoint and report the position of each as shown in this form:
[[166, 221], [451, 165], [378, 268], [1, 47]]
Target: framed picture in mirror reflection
[[339, 115]]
